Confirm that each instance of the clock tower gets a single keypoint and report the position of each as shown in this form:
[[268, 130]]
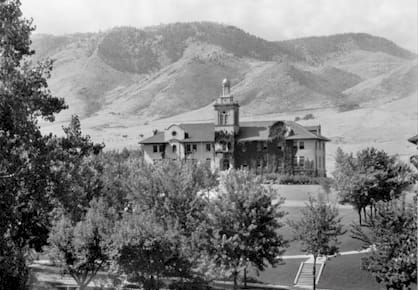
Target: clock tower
[[226, 127]]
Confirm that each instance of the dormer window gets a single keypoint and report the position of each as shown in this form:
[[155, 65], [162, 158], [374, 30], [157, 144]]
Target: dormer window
[[174, 133], [186, 135]]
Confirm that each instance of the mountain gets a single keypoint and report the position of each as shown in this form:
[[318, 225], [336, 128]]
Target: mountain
[[169, 69], [128, 77]]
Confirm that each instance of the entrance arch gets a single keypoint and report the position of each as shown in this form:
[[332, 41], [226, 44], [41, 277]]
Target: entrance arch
[[225, 164]]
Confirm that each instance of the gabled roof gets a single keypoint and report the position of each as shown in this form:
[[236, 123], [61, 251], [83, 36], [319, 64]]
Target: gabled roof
[[301, 132], [253, 131], [259, 130], [199, 132], [157, 138], [414, 139], [249, 131]]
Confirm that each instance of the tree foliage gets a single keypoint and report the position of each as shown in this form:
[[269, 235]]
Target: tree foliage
[[83, 248], [392, 236], [372, 175], [147, 251], [318, 230], [25, 174], [245, 223]]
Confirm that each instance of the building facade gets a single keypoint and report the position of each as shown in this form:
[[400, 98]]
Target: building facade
[[262, 146]]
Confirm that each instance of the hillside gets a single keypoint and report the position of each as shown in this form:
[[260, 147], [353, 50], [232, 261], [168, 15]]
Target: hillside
[[126, 78]]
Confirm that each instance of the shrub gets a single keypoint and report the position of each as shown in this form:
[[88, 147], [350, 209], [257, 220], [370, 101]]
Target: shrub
[[309, 117], [278, 178], [297, 118]]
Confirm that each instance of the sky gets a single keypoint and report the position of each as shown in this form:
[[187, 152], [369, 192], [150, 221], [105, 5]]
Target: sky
[[269, 19]]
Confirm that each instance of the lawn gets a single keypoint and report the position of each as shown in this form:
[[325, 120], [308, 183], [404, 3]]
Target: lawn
[[344, 272], [341, 272], [281, 275], [347, 243]]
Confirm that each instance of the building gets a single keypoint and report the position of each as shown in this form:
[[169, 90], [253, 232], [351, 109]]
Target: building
[[262, 146]]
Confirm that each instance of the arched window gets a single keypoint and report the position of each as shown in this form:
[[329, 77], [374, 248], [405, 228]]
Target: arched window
[[224, 118], [174, 147]]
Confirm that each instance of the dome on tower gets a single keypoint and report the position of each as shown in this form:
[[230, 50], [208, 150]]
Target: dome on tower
[[226, 83]]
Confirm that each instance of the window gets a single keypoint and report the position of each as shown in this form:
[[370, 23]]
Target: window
[[279, 147], [186, 135], [208, 147], [229, 146], [188, 148], [208, 160], [302, 161], [244, 165], [223, 145], [162, 148], [295, 146], [194, 147], [295, 160], [174, 148], [265, 145], [155, 148], [279, 162], [259, 163], [258, 146], [319, 163], [174, 133], [301, 145]]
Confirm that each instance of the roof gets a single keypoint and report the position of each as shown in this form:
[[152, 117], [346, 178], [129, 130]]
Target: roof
[[414, 139], [259, 130], [253, 131], [301, 132], [197, 132], [157, 138], [249, 131]]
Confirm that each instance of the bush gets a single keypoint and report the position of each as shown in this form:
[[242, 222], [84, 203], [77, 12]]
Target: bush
[[297, 118], [308, 117], [277, 178], [189, 285], [348, 107]]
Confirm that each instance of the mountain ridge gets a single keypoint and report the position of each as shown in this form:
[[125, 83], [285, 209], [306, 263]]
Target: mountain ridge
[[161, 71]]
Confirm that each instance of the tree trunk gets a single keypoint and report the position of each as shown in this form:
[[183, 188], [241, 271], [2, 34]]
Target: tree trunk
[[359, 215], [235, 274], [245, 277], [365, 214], [314, 273]]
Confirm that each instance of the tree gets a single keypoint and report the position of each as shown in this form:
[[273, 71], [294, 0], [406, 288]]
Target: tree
[[318, 230], [371, 176], [245, 222], [173, 192], [392, 237], [25, 174], [148, 251], [84, 247]]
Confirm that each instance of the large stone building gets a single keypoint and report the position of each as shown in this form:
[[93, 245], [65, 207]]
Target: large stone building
[[263, 146]]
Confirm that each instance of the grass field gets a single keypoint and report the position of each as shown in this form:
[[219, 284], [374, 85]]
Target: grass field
[[347, 243], [346, 271]]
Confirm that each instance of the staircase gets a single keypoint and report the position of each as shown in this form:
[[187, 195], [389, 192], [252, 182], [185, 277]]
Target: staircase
[[304, 277]]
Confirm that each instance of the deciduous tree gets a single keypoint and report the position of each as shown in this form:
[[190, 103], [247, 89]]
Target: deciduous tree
[[318, 230], [371, 176], [392, 238], [245, 217], [25, 175], [83, 248]]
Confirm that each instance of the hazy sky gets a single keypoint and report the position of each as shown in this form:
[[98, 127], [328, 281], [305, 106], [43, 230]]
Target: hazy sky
[[269, 19]]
